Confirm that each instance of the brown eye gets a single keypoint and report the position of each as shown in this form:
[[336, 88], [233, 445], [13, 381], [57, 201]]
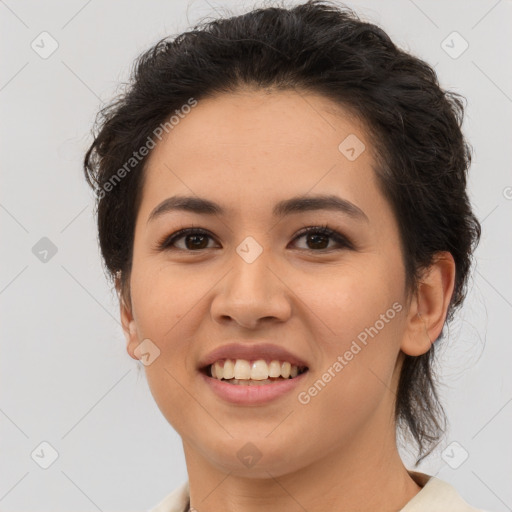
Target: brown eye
[[318, 238], [194, 240]]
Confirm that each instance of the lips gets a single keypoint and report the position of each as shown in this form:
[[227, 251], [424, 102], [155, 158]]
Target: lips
[[249, 392], [252, 352]]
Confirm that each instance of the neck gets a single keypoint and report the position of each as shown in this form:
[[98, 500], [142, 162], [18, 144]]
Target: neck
[[359, 475]]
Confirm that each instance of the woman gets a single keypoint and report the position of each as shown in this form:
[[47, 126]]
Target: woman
[[282, 207]]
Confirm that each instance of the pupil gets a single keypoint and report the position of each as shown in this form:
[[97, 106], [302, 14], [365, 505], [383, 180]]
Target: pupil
[[195, 237], [314, 238]]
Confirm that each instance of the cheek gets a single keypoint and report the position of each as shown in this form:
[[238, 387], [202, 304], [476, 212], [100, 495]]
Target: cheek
[[361, 321], [350, 300], [165, 311], [165, 308], [356, 383], [163, 296]]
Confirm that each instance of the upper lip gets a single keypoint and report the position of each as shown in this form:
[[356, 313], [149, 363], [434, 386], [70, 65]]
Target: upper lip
[[251, 352]]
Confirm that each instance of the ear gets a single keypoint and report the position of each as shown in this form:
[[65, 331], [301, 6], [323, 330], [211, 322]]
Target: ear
[[127, 321], [430, 305]]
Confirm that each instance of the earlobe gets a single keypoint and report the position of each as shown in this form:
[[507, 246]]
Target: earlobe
[[417, 340], [430, 306]]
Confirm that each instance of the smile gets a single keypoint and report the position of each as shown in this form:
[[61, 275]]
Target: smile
[[253, 373]]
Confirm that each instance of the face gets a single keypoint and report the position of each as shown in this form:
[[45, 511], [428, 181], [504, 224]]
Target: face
[[249, 276]]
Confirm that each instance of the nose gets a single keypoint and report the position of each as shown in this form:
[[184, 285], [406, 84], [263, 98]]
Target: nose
[[252, 294]]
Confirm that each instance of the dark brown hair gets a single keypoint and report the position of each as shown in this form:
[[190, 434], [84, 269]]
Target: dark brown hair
[[318, 46]]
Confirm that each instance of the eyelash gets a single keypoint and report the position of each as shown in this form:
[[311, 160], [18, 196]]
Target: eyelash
[[166, 242]]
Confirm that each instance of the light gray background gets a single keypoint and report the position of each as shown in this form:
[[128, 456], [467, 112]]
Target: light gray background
[[65, 375]]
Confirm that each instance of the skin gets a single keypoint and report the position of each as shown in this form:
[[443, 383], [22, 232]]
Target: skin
[[247, 151]]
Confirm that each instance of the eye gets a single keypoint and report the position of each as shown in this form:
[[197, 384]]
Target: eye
[[194, 239], [318, 237]]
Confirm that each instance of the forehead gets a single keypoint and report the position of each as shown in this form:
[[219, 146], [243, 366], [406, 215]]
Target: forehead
[[256, 147], [279, 118]]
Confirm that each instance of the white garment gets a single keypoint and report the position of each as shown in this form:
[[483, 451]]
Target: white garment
[[436, 495]]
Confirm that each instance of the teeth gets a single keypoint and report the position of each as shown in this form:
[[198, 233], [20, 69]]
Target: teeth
[[229, 369], [259, 370], [274, 369], [217, 370], [285, 369], [242, 382], [241, 371]]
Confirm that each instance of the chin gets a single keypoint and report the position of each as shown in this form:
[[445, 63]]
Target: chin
[[256, 457]]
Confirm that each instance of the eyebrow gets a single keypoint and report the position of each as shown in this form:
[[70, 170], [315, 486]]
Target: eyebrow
[[283, 208]]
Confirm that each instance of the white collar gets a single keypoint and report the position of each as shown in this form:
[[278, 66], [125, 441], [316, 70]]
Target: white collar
[[435, 495]]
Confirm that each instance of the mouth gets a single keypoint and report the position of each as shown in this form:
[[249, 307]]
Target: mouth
[[252, 374], [259, 372]]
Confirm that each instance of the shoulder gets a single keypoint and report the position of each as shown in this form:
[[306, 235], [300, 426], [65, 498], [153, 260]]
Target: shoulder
[[435, 495], [176, 501]]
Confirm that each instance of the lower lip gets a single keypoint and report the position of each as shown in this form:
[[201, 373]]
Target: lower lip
[[252, 395]]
